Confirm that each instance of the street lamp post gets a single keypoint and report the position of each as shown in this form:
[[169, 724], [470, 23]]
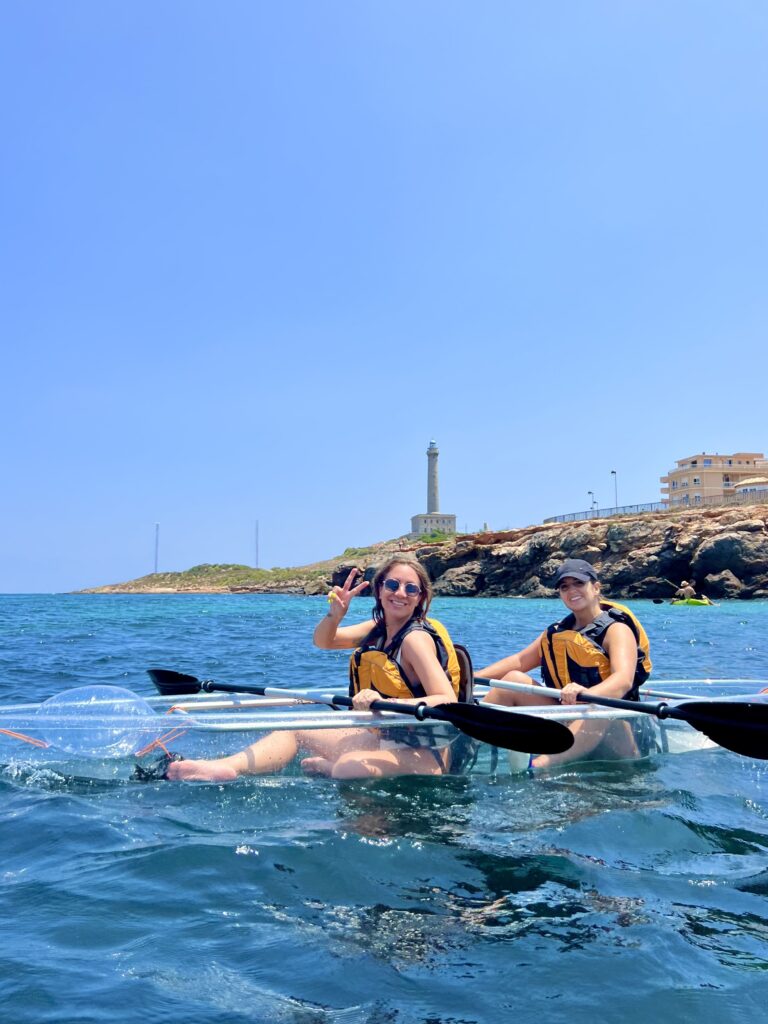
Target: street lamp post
[[615, 488], [592, 496]]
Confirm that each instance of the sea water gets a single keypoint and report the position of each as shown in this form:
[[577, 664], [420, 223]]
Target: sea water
[[611, 892]]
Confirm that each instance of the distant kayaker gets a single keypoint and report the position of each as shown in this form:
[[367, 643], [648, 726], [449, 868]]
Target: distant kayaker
[[599, 646], [687, 592], [400, 654]]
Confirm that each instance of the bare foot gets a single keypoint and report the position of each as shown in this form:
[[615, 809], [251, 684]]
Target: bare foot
[[200, 771], [317, 766], [549, 761]]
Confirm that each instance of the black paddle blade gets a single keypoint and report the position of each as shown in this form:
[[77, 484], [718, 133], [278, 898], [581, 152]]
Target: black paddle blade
[[740, 726], [173, 684], [508, 729]]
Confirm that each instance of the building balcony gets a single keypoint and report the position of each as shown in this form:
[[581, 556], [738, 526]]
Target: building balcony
[[720, 462]]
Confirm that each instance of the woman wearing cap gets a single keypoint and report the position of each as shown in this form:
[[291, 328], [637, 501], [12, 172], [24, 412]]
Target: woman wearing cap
[[598, 646], [399, 654]]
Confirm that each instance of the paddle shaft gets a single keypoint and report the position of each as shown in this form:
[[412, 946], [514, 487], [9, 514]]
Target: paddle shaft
[[208, 686], [336, 700], [661, 710], [420, 711]]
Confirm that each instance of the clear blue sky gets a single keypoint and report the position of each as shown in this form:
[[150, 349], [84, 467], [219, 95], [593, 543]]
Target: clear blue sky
[[256, 255]]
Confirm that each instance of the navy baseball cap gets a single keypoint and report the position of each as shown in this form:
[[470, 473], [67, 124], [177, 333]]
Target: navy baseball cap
[[577, 569]]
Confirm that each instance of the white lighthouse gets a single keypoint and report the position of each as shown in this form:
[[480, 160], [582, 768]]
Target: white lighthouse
[[433, 518]]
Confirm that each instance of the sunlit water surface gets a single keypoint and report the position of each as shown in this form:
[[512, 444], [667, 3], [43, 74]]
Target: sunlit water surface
[[628, 892]]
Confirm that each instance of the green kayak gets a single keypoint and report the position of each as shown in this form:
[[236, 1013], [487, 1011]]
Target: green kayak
[[693, 600]]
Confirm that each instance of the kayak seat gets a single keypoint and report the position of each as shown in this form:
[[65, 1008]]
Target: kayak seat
[[464, 749]]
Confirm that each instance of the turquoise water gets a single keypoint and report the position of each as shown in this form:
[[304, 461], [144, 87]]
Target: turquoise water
[[612, 892]]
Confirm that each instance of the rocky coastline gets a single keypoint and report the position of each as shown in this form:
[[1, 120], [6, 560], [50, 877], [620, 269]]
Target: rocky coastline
[[723, 550]]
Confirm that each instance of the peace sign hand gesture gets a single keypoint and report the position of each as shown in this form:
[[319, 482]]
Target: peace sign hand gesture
[[340, 598]]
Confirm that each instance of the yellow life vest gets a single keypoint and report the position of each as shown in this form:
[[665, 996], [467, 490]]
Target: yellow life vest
[[570, 655], [375, 667]]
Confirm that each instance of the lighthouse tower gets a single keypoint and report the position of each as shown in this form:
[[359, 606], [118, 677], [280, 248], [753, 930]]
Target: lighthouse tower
[[433, 518], [433, 491]]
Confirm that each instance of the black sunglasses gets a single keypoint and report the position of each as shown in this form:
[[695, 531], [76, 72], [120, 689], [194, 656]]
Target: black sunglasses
[[394, 585]]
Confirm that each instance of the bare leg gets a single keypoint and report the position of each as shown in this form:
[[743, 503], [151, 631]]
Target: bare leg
[[360, 764], [620, 742], [325, 748], [617, 737], [586, 736], [272, 753], [510, 698]]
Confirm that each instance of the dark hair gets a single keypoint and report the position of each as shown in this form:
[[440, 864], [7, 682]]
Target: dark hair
[[425, 583]]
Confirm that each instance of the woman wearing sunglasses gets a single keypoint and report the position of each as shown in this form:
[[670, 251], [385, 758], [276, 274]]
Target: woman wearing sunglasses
[[399, 654], [600, 646]]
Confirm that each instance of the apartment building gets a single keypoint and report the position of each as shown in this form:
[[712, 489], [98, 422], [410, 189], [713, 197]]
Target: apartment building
[[705, 478]]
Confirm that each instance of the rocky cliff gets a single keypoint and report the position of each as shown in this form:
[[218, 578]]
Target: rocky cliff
[[724, 550]]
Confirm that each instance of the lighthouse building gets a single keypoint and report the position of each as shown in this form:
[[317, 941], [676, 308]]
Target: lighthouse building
[[433, 518]]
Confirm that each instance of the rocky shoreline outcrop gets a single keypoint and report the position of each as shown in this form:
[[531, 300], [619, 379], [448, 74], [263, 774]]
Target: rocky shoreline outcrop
[[723, 550]]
